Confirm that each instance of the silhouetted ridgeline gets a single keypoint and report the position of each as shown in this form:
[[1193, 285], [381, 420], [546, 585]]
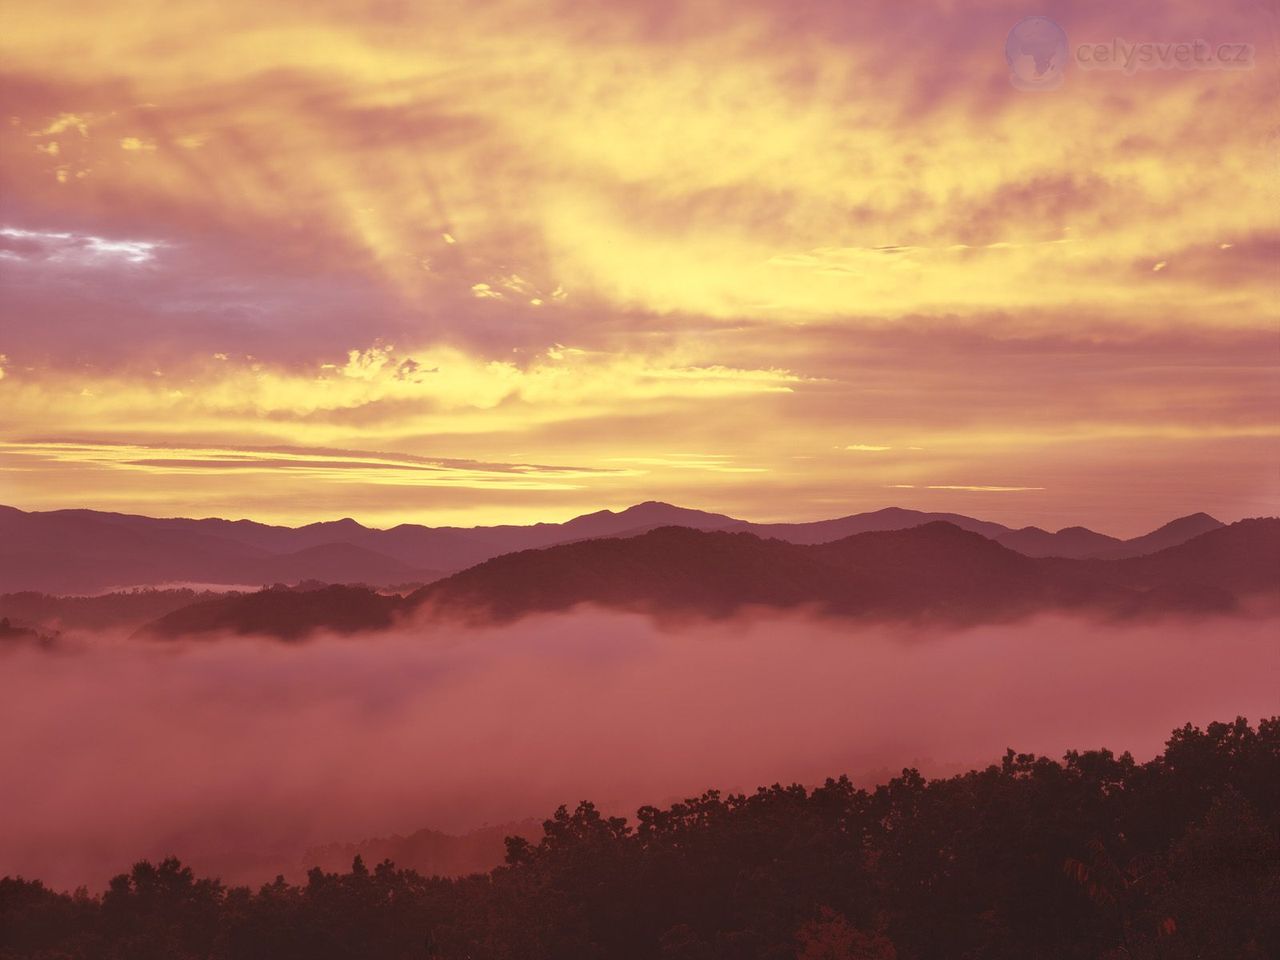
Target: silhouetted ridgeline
[[86, 551], [936, 572], [1095, 856]]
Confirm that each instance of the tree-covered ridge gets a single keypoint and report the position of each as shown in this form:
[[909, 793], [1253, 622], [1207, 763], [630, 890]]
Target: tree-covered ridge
[[1096, 856]]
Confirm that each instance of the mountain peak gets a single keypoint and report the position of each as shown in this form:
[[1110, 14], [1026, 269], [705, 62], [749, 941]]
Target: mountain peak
[[890, 512], [1200, 518], [654, 508], [1191, 524], [1171, 534], [648, 512], [345, 525]]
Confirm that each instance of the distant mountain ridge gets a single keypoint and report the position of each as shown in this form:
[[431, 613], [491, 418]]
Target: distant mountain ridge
[[935, 573], [84, 551]]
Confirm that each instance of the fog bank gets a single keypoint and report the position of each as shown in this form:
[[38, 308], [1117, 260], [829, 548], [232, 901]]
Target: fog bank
[[238, 754]]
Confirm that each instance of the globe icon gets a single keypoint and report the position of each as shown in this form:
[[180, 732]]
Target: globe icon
[[1036, 50]]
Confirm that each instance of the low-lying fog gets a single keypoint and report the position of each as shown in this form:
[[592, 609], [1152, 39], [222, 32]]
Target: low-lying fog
[[238, 754]]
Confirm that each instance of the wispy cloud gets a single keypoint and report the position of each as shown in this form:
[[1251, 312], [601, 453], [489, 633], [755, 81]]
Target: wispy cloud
[[70, 248], [347, 466], [979, 488]]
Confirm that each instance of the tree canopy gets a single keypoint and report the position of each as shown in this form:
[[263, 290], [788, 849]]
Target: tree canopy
[[1094, 856]]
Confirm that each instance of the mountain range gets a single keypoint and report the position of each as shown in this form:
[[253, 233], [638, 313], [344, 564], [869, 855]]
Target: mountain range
[[87, 551], [935, 572]]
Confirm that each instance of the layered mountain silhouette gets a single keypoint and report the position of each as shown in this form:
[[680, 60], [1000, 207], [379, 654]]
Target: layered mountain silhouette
[[935, 572], [80, 551], [1170, 535], [86, 551]]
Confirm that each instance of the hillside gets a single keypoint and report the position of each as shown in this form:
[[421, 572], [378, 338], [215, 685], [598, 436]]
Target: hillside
[[287, 614]]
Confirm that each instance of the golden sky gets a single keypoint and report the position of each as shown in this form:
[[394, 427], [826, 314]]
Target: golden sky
[[505, 261]]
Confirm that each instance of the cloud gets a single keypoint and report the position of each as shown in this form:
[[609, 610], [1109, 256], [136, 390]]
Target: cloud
[[694, 173], [1063, 411], [79, 250], [434, 389], [315, 464], [764, 224], [978, 488]]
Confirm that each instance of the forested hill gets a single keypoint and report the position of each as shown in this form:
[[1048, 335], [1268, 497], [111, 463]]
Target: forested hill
[[1095, 856]]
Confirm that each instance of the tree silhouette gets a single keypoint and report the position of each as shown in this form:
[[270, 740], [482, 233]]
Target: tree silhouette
[[1089, 857]]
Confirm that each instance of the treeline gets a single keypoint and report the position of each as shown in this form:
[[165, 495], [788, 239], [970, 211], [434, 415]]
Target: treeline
[[124, 608], [1096, 856]]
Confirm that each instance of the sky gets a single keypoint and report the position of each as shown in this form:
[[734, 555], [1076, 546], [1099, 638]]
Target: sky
[[513, 261]]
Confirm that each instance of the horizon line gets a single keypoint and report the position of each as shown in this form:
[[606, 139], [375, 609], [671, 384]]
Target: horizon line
[[622, 510]]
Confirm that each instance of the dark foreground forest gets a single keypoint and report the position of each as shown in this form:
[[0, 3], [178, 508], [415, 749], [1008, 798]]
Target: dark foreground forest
[[1096, 856]]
